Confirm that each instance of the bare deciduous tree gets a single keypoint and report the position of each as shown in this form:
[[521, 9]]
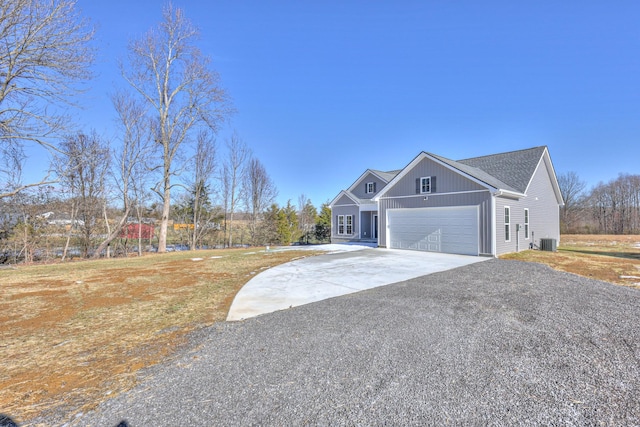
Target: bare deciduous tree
[[259, 193], [28, 236], [572, 189], [128, 161], [204, 165], [83, 168], [615, 205], [232, 172], [45, 54], [169, 72]]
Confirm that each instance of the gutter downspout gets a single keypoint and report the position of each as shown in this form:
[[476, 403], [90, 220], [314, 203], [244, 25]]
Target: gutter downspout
[[494, 224]]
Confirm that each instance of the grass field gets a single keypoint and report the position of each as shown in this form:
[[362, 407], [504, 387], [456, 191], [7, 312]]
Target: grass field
[[614, 259], [76, 333]]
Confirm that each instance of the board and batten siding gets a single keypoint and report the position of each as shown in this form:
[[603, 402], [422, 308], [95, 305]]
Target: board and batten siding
[[544, 214], [446, 180], [482, 199], [450, 189], [360, 191]]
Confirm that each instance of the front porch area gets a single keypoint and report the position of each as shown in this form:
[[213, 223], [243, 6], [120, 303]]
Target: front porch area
[[365, 230]]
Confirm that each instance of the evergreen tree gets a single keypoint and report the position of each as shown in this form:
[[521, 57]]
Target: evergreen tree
[[283, 229], [307, 220], [323, 223], [291, 224], [270, 224]]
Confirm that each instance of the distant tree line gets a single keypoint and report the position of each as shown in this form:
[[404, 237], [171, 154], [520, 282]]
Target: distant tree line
[[163, 171], [608, 208]]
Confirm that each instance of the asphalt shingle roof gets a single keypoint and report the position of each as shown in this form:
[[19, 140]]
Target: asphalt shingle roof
[[514, 168], [387, 176], [511, 171], [477, 173]]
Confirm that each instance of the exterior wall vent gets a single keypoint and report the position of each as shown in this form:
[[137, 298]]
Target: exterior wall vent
[[547, 244]]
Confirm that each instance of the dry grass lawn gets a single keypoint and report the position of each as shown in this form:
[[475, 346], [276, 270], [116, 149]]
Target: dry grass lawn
[[74, 334], [614, 259]]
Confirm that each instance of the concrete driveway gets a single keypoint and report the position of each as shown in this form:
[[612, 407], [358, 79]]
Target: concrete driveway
[[343, 270]]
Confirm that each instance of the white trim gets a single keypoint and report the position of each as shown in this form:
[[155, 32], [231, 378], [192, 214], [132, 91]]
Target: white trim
[[475, 209], [417, 160], [527, 223], [435, 194], [342, 193], [494, 227], [422, 185], [364, 174], [368, 207], [513, 194], [504, 212], [338, 206], [546, 157], [373, 185], [387, 232]]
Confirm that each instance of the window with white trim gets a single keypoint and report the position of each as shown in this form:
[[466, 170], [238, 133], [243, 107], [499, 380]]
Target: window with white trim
[[371, 187], [425, 184], [526, 223], [345, 224], [507, 224]]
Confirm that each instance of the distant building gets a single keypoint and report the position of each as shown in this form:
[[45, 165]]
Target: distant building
[[135, 231]]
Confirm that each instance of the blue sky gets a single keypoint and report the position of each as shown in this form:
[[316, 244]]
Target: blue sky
[[325, 90]]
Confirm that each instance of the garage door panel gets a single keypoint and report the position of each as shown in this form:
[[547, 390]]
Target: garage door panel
[[450, 230]]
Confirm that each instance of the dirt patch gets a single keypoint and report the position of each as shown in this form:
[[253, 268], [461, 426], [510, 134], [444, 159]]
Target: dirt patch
[[72, 335]]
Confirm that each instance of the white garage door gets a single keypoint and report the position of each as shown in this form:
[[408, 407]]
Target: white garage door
[[450, 230]]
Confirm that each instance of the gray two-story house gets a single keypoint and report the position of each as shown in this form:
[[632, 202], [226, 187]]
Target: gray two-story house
[[487, 205]]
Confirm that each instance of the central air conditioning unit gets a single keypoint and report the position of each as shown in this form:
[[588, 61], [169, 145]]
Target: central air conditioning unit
[[547, 244]]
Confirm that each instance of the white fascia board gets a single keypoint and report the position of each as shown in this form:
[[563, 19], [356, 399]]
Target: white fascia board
[[417, 160], [546, 158], [342, 193], [368, 171], [400, 175], [554, 178], [507, 193], [369, 207]]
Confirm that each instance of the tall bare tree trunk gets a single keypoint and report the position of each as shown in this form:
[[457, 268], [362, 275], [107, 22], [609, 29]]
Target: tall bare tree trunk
[[174, 79]]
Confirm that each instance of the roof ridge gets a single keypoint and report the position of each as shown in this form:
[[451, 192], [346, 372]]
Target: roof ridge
[[503, 153]]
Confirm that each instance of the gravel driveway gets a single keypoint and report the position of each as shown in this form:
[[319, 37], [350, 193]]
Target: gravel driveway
[[494, 343]]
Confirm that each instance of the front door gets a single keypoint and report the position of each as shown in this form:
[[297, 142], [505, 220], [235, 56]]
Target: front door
[[375, 226]]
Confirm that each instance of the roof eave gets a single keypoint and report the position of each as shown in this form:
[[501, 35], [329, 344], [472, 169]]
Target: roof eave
[[342, 193], [371, 171]]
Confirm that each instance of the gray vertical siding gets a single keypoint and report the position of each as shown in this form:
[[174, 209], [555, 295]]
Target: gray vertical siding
[[446, 180], [544, 215], [451, 189], [360, 191], [545, 209], [344, 201]]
